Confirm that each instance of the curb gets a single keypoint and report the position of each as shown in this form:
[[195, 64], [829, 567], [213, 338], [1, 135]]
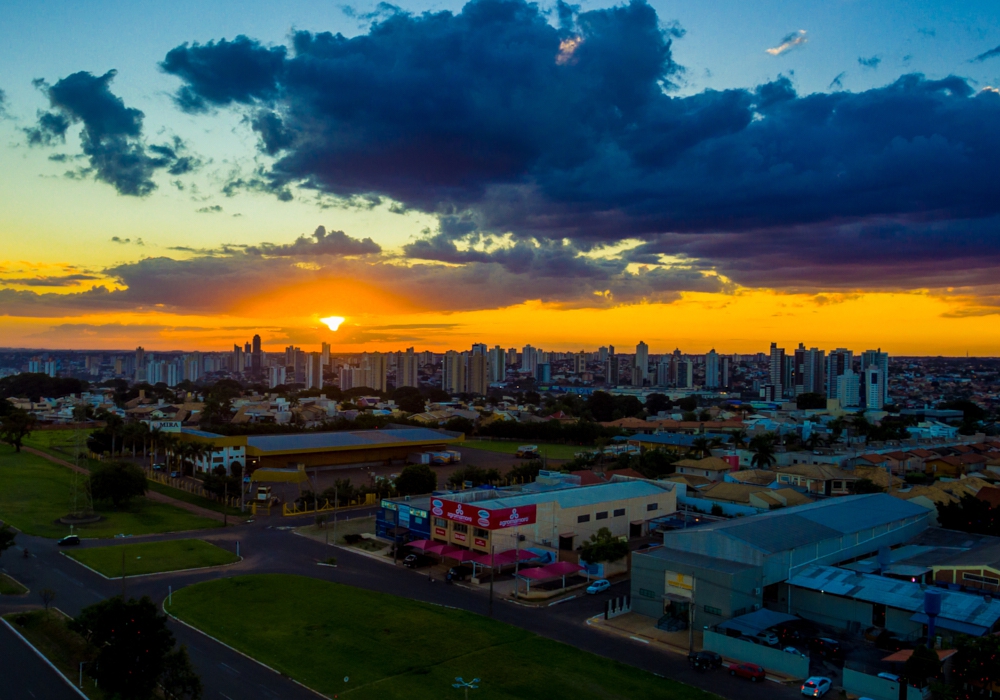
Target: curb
[[163, 606], [16, 595], [46, 660]]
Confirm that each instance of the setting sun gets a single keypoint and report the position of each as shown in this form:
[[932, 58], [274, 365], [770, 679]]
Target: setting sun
[[333, 322]]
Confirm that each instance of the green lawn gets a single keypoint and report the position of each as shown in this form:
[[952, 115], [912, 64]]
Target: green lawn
[[320, 633], [9, 586], [60, 443], [551, 450], [193, 499], [152, 557], [35, 493]]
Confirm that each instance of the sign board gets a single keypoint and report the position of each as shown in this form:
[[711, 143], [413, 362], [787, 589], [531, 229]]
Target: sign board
[[485, 518], [440, 532], [479, 542]]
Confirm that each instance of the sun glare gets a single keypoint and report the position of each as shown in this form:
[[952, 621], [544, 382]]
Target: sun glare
[[333, 322]]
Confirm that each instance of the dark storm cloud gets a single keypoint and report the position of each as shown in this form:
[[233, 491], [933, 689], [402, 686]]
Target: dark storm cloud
[[567, 138], [111, 137], [870, 62], [838, 81], [50, 281], [986, 55]]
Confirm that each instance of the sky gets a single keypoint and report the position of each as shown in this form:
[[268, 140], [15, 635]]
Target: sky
[[714, 174]]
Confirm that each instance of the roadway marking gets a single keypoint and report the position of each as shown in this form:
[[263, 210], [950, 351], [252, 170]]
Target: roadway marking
[[639, 639], [229, 668], [224, 695]]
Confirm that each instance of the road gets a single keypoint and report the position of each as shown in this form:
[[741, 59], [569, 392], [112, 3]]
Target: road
[[268, 549], [33, 679]]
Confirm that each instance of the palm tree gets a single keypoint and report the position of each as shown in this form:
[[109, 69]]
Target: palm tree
[[813, 441], [155, 436], [702, 446], [763, 448], [740, 439]]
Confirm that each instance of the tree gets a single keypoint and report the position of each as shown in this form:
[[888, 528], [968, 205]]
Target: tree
[[15, 426], [118, 482], [458, 424], [702, 446], [133, 643], [474, 474], [922, 664], [179, 680], [409, 399], [970, 515], [810, 400], [603, 546], [524, 472], [218, 483], [6, 538], [688, 403], [656, 403], [866, 486], [47, 595], [977, 662], [416, 479], [762, 447]]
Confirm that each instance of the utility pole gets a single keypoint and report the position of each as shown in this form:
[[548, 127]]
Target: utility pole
[[336, 505], [493, 564], [691, 618], [517, 559], [123, 574], [225, 502]]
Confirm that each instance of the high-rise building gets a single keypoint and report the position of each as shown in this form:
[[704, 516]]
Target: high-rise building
[[810, 371], [837, 363], [602, 354], [712, 370], [407, 370], [479, 348], [50, 368], [314, 370], [685, 374], [641, 364], [325, 354], [478, 375], [453, 376], [580, 362], [725, 372], [848, 390], [612, 372], [376, 365], [257, 358], [874, 388], [879, 359], [543, 373], [777, 370], [663, 372], [173, 375], [276, 375], [498, 364], [529, 359], [140, 364], [237, 363]]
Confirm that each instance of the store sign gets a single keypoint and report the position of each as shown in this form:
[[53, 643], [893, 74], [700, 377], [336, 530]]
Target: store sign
[[488, 519], [440, 531], [479, 542], [459, 536]]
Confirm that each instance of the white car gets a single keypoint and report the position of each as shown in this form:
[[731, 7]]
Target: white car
[[816, 686], [792, 650], [889, 676], [768, 638], [598, 586]]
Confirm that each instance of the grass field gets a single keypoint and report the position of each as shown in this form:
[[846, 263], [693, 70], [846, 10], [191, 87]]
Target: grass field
[[34, 494], [9, 586], [550, 450], [47, 631], [320, 633], [152, 557]]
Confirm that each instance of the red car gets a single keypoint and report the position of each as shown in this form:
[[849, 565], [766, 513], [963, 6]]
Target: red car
[[752, 671]]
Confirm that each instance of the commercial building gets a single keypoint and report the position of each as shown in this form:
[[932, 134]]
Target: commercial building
[[725, 569], [554, 513], [453, 377], [712, 370], [641, 364], [478, 375], [407, 369]]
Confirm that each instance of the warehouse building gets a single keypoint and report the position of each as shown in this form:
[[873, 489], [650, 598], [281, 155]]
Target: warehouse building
[[327, 449], [728, 568]]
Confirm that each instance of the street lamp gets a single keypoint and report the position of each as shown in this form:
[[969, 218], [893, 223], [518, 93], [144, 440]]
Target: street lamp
[[462, 684]]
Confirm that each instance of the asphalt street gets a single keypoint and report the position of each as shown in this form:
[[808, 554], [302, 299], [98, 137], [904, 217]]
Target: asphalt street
[[269, 546], [25, 675]]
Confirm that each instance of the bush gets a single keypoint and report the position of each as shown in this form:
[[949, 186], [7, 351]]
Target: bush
[[416, 479], [353, 538], [118, 482], [603, 546]]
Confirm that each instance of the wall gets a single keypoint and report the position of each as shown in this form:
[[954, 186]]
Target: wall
[[773, 660], [865, 685], [730, 510], [838, 611]]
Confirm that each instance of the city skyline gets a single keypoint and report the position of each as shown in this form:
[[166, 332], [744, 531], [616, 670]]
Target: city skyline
[[727, 174]]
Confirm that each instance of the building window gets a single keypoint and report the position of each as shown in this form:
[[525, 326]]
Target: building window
[[583, 518], [603, 515], [480, 532], [838, 484], [652, 506], [619, 512], [459, 527], [975, 578], [646, 593], [713, 611], [440, 522]]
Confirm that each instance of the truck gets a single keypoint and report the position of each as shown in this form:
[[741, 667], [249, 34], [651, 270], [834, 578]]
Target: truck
[[419, 458], [528, 452]]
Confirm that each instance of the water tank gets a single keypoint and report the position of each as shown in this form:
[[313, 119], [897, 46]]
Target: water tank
[[932, 603]]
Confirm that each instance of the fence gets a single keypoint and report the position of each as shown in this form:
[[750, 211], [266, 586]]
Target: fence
[[187, 486], [782, 662], [325, 506], [869, 685]]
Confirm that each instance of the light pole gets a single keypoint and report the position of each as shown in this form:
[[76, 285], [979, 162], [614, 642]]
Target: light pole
[[459, 683]]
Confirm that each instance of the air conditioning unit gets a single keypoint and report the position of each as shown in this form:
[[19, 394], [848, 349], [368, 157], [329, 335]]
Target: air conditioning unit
[[756, 606], [756, 591]]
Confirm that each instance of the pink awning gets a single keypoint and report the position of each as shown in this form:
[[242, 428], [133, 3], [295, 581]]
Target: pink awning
[[422, 545], [506, 557], [557, 570], [436, 548]]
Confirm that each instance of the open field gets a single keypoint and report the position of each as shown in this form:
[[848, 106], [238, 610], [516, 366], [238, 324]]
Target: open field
[[550, 450], [47, 631], [353, 526], [152, 557], [9, 586], [35, 493], [322, 633], [60, 443]]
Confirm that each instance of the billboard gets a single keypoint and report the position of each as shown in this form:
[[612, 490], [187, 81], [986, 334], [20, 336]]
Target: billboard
[[485, 518]]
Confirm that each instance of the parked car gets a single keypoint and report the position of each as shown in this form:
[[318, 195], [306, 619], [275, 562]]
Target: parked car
[[816, 686], [889, 676], [69, 541], [705, 660], [792, 650], [888, 641], [415, 561], [460, 573], [748, 638], [769, 638], [752, 671], [599, 586], [824, 646], [175, 474], [157, 467]]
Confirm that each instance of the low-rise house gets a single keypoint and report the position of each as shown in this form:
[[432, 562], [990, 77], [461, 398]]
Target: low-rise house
[[955, 465], [818, 479], [711, 468]]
